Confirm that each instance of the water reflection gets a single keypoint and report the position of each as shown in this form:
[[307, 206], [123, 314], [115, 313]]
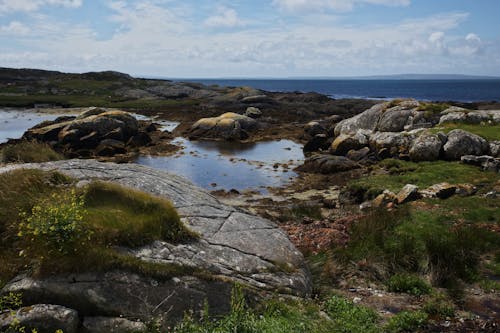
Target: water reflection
[[13, 123], [229, 165]]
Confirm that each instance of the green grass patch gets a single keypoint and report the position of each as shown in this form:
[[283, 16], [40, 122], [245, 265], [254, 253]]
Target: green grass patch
[[489, 132], [439, 306], [408, 283], [407, 321], [432, 109], [59, 233], [300, 211], [29, 152], [424, 174]]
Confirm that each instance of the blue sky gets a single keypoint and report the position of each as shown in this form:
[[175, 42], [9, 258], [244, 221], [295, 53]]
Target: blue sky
[[258, 38]]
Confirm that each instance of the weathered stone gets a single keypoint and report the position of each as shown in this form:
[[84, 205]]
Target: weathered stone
[[234, 246], [110, 147], [314, 128], [345, 142], [45, 318], [326, 164], [112, 325], [469, 117], [256, 99], [358, 155], [394, 119], [318, 142], [488, 163], [426, 147], [495, 148], [408, 193], [91, 112], [228, 126], [395, 143], [367, 120], [384, 198], [253, 112], [441, 191], [466, 190], [462, 143]]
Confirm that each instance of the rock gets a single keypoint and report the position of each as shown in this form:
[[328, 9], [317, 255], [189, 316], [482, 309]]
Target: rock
[[234, 246], [366, 120], [488, 163], [395, 143], [326, 164], [394, 119], [110, 147], [408, 193], [253, 112], [112, 325], [141, 139], [318, 142], [462, 143], [256, 99], [91, 112], [314, 128], [469, 117], [358, 155], [466, 190], [345, 142], [384, 199], [426, 147], [228, 126], [441, 191], [495, 148], [45, 318]]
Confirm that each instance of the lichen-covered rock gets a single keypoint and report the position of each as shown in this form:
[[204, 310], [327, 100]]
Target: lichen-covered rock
[[441, 191], [253, 112], [408, 193], [234, 246], [469, 117], [45, 318], [462, 143], [495, 148], [426, 147], [383, 199], [488, 163], [228, 126], [326, 164], [367, 120], [345, 142], [313, 128], [395, 143]]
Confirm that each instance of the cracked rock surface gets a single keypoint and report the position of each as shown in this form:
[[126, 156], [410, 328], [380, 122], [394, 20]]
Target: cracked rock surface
[[234, 246]]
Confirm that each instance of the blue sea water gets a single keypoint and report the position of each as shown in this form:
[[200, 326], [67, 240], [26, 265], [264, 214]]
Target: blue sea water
[[469, 90]]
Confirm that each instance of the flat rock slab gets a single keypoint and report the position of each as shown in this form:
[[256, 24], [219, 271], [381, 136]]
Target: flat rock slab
[[234, 246]]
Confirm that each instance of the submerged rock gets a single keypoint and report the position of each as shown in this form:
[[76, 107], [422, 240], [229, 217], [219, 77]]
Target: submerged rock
[[326, 164]]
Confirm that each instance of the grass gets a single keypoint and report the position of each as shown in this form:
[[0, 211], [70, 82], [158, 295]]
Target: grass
[[432, 109], [408, 283], [398, 173], [406, 321], [115, 217], [298, 212], [489, 132], [336, 314], [29, 152]]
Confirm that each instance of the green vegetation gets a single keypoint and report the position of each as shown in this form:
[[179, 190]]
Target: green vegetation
[[406, 321], [410, 284], [62, 228], [424, 174], [439, 306], [298, 212], [432, 109], [29, 152], [489, 132], [339, 315]]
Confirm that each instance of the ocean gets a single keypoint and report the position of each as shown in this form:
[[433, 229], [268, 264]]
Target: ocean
[[427, 90]]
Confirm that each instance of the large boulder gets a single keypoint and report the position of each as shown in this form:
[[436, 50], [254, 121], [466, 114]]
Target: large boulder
[[233, 247], [366, 120], [45, 318], [112, 325], [326, 164], [393, 142], [427, 147], [228, 126], [459, 115], [345, 142], [462, 143]]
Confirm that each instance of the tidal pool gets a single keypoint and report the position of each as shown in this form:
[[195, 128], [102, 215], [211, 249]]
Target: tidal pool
[[230, 165], [13, 123]]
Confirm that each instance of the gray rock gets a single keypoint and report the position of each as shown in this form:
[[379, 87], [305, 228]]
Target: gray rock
[[495, 148], [313, 128], [358, 155], [383, 199], [253, 112], [234, 246], [394, 119], [45, 318], [441, 191], [366, 120], [426, 147], [256, 99], [228, 126], [470, 117], [488, 163], [395, 143], [345, 142], [462, 143], [112, 325], [326, 164]]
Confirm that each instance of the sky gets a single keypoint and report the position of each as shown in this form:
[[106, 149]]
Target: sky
[[257, 38]]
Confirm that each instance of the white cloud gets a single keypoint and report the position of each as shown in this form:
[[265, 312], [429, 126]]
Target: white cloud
[[33, 5], [225, 17], [473, 38], [336, 5], [436, 36], [14, 28]]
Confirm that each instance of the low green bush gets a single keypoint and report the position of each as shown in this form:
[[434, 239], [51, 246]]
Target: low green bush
[[406, 321], [408, 283], [439, 306], [349, 317]]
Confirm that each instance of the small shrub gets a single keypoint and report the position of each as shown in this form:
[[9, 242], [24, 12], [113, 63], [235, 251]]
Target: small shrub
[[349, 317], [410, 284], [439, 306], [407, 321], [29, 152], [55, 223], [11, 301], [298, 212], [432, 109]]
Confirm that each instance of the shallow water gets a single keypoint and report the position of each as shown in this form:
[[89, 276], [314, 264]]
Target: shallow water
[[230, 165], [13, 123]]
